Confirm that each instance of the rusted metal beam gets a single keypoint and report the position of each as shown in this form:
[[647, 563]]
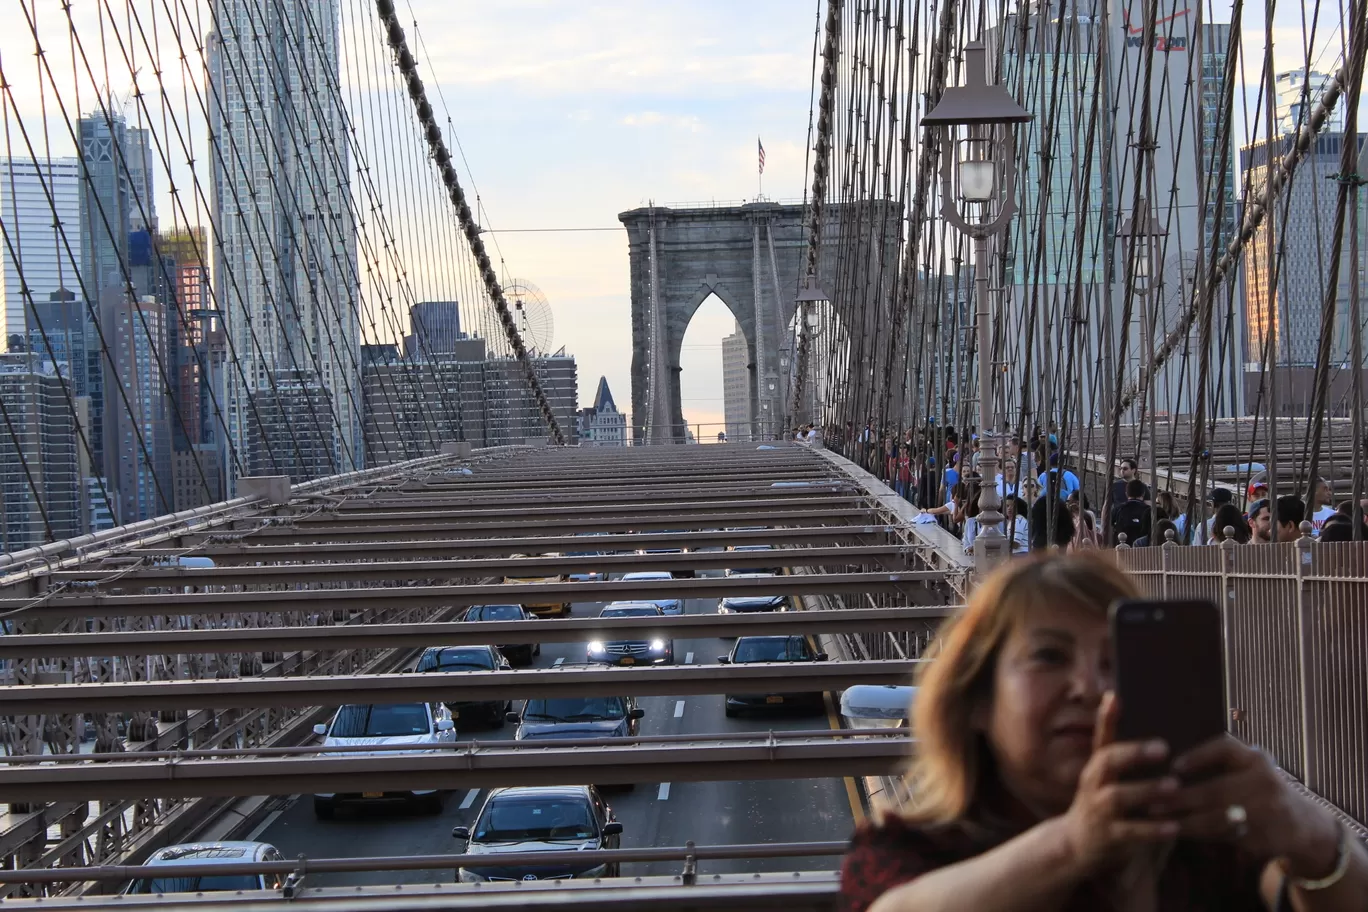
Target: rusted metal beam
[[461, 633], [549, 509], [550, 505], [484, 765], [791, 536], [468, 686], [794, 891], [429, 862], [608, 492], [100, 605], [131, 579], [361, 531]]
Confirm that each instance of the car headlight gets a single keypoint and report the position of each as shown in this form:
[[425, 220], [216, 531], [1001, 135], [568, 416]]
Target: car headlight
[[468, 876], [657, 645], [596, 646]]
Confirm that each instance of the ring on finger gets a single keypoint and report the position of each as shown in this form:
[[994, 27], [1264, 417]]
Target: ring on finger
[[1238, 818]]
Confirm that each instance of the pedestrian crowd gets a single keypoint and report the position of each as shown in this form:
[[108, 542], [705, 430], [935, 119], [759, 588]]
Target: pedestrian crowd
[[1043, 502]]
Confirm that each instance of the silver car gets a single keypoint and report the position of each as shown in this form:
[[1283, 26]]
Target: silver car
[[671, 606], [208, 853]]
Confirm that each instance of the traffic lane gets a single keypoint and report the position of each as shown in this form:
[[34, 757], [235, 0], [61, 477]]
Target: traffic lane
[[656, 814], [395, 828], [718, 813]]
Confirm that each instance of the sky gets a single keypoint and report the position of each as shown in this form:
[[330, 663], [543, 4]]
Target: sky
[[565, 114], [569, 113]]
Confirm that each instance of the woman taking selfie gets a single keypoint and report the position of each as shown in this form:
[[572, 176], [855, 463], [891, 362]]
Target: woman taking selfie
[[1025, 800]]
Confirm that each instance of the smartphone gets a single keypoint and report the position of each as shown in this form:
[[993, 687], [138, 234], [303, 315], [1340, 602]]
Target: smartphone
[[1170, 677]]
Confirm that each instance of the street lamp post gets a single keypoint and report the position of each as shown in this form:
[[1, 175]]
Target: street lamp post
[[808, 321], [978, 170], [1144, 230]]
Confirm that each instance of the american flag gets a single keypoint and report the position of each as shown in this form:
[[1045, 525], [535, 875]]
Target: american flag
[[762, 154]]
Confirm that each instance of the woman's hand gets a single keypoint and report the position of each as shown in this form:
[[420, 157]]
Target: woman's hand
[[1107, 821], [1277, 821]]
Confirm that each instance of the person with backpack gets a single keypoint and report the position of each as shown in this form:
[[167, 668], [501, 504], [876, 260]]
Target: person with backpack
[[1133, 516]]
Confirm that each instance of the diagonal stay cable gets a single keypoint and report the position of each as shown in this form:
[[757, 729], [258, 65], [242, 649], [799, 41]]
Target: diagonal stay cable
[[408, 66]]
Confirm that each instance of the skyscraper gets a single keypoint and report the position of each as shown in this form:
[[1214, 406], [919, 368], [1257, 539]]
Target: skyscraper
[[1298, 91], [39, 480], [1309, 204], [736, 386], [285, 253], [40, 209], [1082, 84]]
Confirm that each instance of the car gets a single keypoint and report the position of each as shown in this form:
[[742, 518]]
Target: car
[[562, 818], [747, 604], [654, 650], [208, 853], [468, 658], [753, 649], [675, 574], [384, 724], [542, 608], [772, 571], [586, 576], [670, 606], [544, 719], [521, 652]]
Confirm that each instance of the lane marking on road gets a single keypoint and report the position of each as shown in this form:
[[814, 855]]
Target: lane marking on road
[[679, 709], [469, 799], [852, 790], [558, 662], [688, 658], [664, 793], [265, 825]]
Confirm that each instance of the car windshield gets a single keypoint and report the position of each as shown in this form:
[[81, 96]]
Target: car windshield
[[575, 709], [207, 884], [639, 611], [647, 575], [381, 721], [772, 649], [495, 613], [535, 819], [456, 660]]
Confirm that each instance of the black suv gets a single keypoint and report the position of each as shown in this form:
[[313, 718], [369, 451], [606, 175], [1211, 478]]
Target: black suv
[[562, 818], [468, 658]]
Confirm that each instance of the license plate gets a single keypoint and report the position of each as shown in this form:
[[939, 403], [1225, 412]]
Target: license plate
[[628, 660], [774, 699], [372, 794]]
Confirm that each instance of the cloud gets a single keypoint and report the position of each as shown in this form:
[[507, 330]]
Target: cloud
[[688, 123]]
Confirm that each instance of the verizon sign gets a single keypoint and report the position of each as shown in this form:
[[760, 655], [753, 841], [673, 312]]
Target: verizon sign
[[1167, 37]]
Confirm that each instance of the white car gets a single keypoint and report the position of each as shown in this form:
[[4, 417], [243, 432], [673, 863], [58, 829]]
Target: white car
[[384, 724], [669, 606]]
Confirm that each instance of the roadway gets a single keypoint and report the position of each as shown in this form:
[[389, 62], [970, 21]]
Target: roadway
[[665, 814]]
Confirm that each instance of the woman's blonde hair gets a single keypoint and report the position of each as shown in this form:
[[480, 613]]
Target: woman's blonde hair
[[951, 762]]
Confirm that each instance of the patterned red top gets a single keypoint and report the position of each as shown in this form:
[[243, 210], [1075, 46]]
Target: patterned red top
[[1199, 877]]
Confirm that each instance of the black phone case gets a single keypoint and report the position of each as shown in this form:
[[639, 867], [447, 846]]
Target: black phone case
[[1170, 678]]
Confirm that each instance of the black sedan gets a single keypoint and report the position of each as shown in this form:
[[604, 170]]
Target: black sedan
[[468, 658], [772, 649], [516, 653]]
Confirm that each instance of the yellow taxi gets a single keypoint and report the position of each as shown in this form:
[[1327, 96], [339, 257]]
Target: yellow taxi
[[541, 608]]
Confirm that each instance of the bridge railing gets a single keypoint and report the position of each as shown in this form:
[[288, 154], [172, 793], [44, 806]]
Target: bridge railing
[[1296, 629]]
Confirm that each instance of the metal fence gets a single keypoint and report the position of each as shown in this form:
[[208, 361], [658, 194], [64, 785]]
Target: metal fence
[[1296, 631]]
